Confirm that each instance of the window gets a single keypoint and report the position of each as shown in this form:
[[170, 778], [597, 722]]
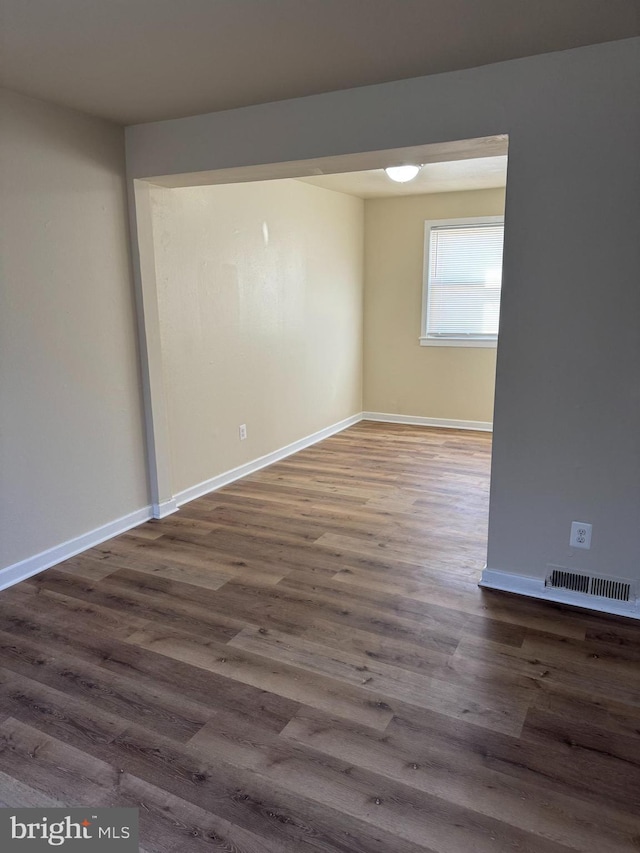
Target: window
[[463, 276]]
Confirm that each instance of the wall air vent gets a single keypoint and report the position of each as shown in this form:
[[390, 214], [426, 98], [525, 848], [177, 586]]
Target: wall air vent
[[607, 588], [559, 579], [613, 588]]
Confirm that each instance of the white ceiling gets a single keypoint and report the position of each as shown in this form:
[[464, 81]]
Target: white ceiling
[[453, 176], [142, 60]]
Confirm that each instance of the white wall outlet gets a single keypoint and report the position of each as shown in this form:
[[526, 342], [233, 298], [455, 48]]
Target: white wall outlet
[[242, 431], [580, 535]]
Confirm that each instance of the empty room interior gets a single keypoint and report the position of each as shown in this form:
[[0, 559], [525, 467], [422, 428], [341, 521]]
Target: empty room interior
[[319, 418]]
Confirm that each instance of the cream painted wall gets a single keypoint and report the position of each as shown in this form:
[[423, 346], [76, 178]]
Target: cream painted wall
[[260, 301], [400, 376], [71, 442]]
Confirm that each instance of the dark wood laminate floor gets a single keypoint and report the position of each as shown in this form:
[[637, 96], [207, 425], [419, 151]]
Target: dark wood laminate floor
[[303, 661]]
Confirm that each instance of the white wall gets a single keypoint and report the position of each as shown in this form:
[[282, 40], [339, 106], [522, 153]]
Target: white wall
[[71, 446], [260, 306], [567, 414]]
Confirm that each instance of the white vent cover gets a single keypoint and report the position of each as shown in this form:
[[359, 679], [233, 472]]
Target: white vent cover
[[617, 589]]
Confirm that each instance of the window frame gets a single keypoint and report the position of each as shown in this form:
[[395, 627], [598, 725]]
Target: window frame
[[462, 340]]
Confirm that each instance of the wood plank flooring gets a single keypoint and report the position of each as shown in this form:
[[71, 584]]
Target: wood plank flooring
[[303, 661]]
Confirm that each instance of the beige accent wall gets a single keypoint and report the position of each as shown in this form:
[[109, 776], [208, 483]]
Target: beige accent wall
[[400, 376], [71, 441], [260, 302]]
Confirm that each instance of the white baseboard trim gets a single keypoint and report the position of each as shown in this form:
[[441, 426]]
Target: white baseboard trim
[[45, 559], [162, 510], [234, 474], [443, 423], [535, 588], [17, 572]]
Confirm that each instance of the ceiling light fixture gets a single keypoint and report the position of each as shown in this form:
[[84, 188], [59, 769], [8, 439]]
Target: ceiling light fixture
[[402, 174]]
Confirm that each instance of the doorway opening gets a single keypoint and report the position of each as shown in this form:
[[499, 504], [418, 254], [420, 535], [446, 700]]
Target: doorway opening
[[292, 301]]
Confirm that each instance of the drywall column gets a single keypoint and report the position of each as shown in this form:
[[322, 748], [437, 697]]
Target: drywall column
[[156, 421]]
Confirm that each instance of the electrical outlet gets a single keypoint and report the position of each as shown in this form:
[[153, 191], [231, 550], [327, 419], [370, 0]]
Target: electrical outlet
[[242, 430], [580, 535]]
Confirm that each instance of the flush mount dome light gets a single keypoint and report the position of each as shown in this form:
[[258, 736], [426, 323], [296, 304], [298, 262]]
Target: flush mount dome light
[[402, 174]]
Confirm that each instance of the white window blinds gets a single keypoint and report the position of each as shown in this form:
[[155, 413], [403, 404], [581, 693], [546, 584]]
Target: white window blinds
[[464, 279]]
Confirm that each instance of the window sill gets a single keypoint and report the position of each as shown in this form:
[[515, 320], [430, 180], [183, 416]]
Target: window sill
[[458, 342]]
